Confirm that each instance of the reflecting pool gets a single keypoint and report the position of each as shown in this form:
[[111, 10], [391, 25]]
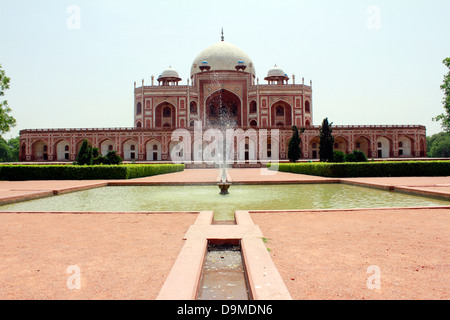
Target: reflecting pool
[[241, 197]]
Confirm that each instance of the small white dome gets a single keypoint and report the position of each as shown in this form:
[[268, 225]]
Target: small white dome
[[169, 73], [276, 72]]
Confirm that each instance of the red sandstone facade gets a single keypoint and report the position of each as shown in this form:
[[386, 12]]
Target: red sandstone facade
[[223, 88]]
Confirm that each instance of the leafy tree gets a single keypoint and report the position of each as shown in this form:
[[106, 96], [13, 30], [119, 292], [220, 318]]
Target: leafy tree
[[97, 158], [88, 155], [9, 150], [6, 120], [85, 154], [112, 158], [356, 156], [434, 140], [445, 117], [438, 145], [294, 149], [338, 156], [326, 142], [441, 149]]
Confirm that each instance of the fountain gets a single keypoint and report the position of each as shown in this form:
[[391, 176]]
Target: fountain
[[222, 115], [224, 185]]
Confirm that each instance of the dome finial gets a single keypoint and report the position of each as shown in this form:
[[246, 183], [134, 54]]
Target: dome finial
[[222, 34]]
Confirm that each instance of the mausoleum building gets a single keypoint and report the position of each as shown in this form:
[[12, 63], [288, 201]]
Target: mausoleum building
[[222, 91]]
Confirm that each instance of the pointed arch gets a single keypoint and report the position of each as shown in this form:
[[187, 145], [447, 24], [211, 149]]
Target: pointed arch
[[307, 106], [39, 150], [153, 150], [405, 146], [313, 145], [383, 147], [107, 145], [130, 149], [223, 107], [281, 113], [341, 144], [362, 143], [62, 148], [165, 115]]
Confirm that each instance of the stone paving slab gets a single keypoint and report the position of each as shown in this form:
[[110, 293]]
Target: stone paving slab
[[403, 181], [11, 191], [52, 185], [11, 196], [188, 176], [211, 176], [427, 186], [263, 175], [436, 191]]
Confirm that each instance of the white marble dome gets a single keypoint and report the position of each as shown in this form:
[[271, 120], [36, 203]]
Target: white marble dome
[[222, 56], [276, 72], [169, 73]]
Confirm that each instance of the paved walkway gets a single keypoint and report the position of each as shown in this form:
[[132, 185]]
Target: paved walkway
[[210, 176], [432, 186], [11, 191]]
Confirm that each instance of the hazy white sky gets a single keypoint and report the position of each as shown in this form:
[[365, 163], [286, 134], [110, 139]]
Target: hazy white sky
[[371, 62]]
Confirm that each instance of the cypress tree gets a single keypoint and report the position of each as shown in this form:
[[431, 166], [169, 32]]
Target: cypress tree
[[294, 149], [85, 154], [326, 142]]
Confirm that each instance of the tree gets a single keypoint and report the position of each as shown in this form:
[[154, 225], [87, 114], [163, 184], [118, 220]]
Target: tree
[[85, 154], [445, 117], [441, 149], [112, 158], [326, 142], [6, 120], [294, 149], [338, 156], [9, 150], [438, 145], [97, 157], [356, 156], [88, 155]]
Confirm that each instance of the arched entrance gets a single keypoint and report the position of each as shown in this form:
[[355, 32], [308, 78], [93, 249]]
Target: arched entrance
[[105, 146], [153, 149], [404, 147], [40, 151], [165, 115], [314, 148], [383, 147], [281, 113], [247, 150], [340, 144], [362, 144], [130, 150], [223, 108], [63, 151]]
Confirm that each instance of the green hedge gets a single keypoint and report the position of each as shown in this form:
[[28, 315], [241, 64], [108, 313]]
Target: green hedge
[[369, 169], [75, 172]]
